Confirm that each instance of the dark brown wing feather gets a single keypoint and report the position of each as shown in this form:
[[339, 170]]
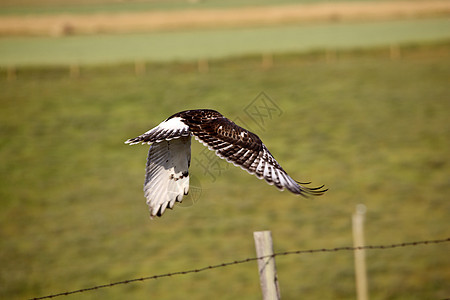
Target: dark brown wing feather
[[240, 147]]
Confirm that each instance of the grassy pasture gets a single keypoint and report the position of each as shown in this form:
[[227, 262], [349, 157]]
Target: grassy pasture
[[18, 7], [374, 130], [217, 43]]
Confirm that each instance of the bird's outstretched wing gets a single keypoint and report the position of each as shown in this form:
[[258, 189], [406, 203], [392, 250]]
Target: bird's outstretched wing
[[167, 170], [167, 174], [242, 148]]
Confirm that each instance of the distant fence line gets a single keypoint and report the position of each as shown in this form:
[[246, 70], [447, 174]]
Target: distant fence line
[[226, 264], [74, 70]]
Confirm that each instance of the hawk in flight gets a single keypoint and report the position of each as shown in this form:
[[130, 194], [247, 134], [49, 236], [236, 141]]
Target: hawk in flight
[[167, 170]]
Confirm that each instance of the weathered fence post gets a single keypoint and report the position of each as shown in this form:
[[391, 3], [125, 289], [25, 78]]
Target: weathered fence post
[[266, 266], [203, 65], [330, 55], [267, 61], [139, 68], [395, 51], [74, 70], [11, 73], [360, 259]]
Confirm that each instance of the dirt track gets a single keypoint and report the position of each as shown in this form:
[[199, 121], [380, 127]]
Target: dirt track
[[187, 19]]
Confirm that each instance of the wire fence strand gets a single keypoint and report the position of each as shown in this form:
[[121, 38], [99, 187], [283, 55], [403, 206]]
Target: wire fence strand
[[226, 264]]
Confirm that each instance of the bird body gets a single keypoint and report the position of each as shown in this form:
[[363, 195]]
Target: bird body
[[167, 171]]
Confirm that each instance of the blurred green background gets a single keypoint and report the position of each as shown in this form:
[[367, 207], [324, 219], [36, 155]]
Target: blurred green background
[[188, 45], [370, 121], [17, 7]]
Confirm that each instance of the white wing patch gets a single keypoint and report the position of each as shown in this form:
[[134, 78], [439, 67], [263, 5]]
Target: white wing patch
[[167, 174], [169, 129]]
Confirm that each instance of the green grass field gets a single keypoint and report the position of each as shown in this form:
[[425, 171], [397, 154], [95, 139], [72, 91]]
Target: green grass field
[[374, 130], [18, 7], [217, 43]]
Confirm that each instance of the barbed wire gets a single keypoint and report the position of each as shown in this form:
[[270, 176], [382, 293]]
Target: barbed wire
[[226, 264]]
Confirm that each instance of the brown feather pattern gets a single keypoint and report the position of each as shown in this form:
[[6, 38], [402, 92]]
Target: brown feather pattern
[[240, 147]]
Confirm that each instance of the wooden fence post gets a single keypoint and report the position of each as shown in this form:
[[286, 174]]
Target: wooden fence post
[[74, 70], [360, 258], [330, 55], [139, 68], [11, 73], [267, 61], [395, 52], [266, 266], [203, 65]]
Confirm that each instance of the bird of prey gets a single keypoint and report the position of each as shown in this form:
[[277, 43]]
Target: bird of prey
[[167, 170]]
